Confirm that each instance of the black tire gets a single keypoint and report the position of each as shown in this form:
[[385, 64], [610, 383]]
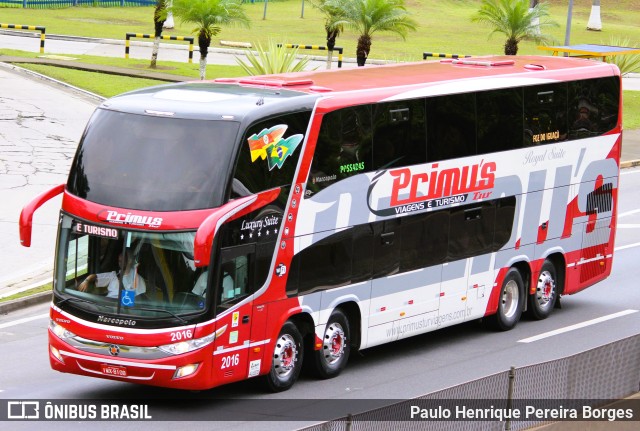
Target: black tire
[[287, 359], [511, 302], [331, 359], [541, 303]]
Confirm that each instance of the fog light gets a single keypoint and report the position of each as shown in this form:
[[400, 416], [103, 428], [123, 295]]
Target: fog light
[[56, 354], [185, 371]]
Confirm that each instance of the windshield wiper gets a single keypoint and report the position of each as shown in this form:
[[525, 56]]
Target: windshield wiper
[[73, 298], [162, 310]]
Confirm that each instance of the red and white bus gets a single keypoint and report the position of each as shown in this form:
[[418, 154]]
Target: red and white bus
[[212, 232]]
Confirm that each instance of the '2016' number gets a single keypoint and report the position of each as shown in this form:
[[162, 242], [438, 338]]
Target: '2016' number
[[181, 335], [230, 361]]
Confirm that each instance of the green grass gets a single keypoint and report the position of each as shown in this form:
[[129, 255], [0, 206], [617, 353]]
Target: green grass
[[631, 109], [445, 26], [97, 83], [34, 291]]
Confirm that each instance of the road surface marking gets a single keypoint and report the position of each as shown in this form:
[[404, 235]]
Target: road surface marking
[[626, 213], [21, 321], [628, 226], [624, 247], [576, 326]]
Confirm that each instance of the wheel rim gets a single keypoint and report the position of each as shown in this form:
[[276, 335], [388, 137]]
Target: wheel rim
[[285, 356], [334, 342], [545, 290], [510, 299]]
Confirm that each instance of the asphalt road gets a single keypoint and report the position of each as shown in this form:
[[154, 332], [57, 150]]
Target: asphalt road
[[399, 370]]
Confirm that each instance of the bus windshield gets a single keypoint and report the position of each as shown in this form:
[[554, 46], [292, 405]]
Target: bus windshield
[[129, 273], [153, 163]]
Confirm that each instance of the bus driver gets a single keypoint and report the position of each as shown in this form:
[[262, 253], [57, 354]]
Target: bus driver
[[131, 280]]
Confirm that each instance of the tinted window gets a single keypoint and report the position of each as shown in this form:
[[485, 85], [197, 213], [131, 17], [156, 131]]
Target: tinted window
[[343, 148], [593, 106], [399, 134], [324, 265], [451, 127], [387, 246], [269, 153], [545, 114], [424, 240], [500, 121], [153, 163]]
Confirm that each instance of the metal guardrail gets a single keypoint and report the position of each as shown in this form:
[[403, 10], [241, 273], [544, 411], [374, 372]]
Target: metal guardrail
[[41, 29], [151, 36], [318, 47], [592, 378], [56, 4]]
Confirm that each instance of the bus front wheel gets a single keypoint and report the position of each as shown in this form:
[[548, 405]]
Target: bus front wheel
[[287, 359], [542, 301], [511, 302], [331, 359]]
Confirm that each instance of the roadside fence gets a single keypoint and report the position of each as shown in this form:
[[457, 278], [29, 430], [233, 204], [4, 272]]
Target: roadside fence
[[151, 36], [588, 382], [54, 4]]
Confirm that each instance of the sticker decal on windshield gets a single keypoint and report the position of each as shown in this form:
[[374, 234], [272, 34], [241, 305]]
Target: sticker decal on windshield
[[269, 144]]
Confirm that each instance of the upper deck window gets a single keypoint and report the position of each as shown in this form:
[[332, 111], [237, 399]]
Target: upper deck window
[[153, 163]]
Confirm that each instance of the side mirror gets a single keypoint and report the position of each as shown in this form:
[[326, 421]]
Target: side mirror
[[26, 216]]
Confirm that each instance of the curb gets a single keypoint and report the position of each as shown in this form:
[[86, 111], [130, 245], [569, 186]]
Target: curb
[[629, 164], [16, 304]]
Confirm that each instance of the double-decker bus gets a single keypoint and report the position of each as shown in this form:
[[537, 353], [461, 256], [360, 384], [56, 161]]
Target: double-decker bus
[[216, 231]]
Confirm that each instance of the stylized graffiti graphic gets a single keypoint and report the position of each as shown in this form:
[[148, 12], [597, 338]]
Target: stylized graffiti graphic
[[269, 144]]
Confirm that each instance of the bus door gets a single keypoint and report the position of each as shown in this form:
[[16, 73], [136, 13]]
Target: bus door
[[232, 284]]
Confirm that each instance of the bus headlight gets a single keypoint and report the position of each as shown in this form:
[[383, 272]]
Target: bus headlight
[[60, 331], [188, 346]]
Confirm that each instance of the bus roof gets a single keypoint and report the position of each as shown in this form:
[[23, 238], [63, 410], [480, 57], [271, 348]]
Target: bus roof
[[434, 72], [260, 96]]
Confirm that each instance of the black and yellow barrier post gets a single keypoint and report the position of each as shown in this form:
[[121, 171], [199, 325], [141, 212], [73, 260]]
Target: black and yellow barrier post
[[28, 27], [150, 36], [318, 47], [439, 55]]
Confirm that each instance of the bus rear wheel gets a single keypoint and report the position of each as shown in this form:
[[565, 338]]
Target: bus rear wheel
[[541, 303], [331, 359], [287, 359], [511, 303]]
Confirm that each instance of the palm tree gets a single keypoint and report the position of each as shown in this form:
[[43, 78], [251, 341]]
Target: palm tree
[[159, 17], [208, 16], [369, 16], [516, 20], [333, 31]]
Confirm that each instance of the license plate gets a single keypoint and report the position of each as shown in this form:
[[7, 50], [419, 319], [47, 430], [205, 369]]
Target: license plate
[[112, 370]]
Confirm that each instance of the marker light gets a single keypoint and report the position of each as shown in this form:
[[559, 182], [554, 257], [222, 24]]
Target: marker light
[[60, 331], [188, 346], [56, 353], [185, 371]]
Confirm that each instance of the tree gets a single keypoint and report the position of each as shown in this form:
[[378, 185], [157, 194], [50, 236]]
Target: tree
[[369, 16], [595, 23], [159, 17], [333, 31], [208, 16], [516, 20]]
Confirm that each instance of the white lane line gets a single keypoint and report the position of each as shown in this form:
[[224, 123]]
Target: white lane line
[[628, 226], [624, 247], [630, 171], [21, 321], [626, 213], [576, 326]]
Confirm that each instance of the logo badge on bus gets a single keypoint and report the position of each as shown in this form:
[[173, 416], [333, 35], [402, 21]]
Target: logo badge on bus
[[281, 270], [114, 350], [269, 144]]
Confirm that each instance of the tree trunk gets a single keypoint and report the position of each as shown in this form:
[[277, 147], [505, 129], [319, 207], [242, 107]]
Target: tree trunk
[[154, 52], [595, 23], [511, 46], [331, 43], [203, 66], [204, 40], [363, 49]]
